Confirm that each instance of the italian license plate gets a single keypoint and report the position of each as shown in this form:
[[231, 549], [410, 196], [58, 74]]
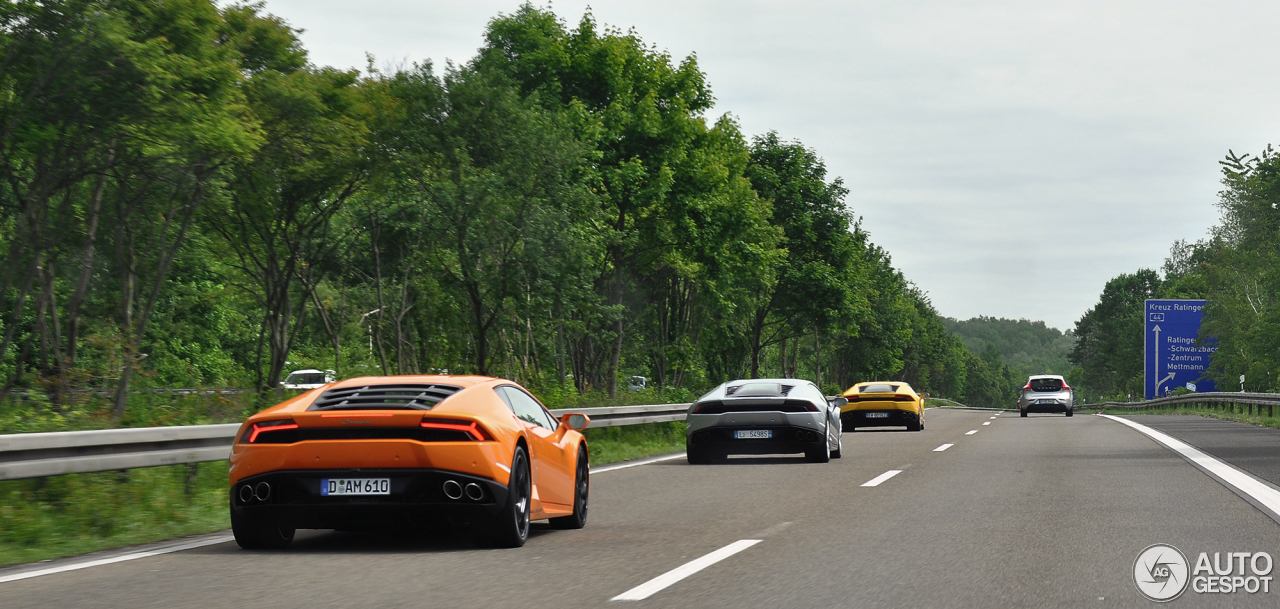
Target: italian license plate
[[754, 434], [877, 415], [355, 486]]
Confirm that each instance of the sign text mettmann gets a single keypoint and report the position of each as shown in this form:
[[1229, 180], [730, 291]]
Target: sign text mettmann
[[1172, 357]]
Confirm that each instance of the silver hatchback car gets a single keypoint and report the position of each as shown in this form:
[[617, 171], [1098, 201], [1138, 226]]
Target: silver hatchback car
[[764, 417], [1046, 393]]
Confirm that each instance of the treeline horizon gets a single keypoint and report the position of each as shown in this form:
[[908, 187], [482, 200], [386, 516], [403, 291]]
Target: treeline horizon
[[188, 201], [1236, 269]]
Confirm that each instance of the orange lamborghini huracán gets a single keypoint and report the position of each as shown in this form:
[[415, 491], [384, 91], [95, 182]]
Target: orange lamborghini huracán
[[378, 450]]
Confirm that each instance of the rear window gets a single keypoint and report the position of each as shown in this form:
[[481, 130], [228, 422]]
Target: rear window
[[306, 378], [1046, 385], [878, 389]]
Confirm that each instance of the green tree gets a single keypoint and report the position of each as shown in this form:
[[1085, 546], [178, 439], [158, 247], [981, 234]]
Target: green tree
[[499, 179], [1240, 270], [275, 220], [815, 284], [1109, 343], [649, 113]]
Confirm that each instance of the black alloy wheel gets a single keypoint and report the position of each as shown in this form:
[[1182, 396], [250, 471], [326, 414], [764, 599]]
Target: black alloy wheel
[[510, 528], [253, 534], [581, 487]]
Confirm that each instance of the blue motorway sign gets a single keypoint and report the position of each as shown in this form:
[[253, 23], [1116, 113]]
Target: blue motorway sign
[[1172, 358]]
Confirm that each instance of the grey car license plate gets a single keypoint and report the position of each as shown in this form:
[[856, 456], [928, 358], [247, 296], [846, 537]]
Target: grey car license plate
[[877, 415], [355, 486], [753, 434]]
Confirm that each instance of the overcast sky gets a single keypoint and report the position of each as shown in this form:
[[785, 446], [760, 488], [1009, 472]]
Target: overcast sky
[[1012, 156]]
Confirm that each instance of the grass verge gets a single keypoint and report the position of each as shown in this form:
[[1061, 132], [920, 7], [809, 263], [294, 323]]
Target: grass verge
[[59, 516], [74, 514], [1237, 413], [614, 444]]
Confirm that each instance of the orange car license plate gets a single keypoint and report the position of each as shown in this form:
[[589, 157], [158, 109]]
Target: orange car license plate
[[754, 434], [355, 486]]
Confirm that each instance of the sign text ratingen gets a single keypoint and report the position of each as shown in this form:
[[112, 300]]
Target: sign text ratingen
[[1172, 358]]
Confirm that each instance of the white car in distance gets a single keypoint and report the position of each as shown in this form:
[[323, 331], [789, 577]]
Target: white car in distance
[[308, 379]]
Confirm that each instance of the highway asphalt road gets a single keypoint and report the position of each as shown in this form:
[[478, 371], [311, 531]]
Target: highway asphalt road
[[1044, 511]]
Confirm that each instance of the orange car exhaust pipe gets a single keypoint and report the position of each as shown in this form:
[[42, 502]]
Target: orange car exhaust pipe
[[452, 489], [262, 491], [246, 494], [474, 492]]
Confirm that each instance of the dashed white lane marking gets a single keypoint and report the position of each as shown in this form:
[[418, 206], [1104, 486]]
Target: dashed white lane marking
[[115, 559], [673, 576], [942, 448], [993, 417], [1237, 480], [970, 433], [609, 468], [986, 423], [882, 477]]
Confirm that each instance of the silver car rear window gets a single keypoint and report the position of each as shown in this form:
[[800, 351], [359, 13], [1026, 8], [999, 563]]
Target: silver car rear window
[[1046, 385]]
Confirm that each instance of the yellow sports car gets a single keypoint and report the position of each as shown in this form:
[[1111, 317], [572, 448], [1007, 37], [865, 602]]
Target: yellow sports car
[[881, 403]]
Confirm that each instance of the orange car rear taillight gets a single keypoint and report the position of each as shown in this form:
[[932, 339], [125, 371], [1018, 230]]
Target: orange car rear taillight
[[472, 429], [256, 430]]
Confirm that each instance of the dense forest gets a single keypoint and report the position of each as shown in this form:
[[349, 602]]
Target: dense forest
[[187, 201], [1028, 347], [1237, 269]]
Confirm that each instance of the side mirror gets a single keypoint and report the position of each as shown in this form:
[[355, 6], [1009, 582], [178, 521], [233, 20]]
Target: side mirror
[[924, 396], [575, 421], [839, 402]]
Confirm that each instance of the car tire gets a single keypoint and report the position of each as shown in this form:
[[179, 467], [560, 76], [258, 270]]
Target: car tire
[[510, 528], [581, 490], [1070, 412], [837, 453], [1022, 413], [819, 454], [922, 420], [252, 534], [916, 426]]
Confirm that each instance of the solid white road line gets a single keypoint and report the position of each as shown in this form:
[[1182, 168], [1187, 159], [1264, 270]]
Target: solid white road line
[[970, 433], [942, 448], [882, 477], [609, 468], [1235, 479], [669, 578], [115, 559]]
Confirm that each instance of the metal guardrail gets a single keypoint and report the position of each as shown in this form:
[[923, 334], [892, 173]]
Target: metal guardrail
[[35, 455], [1218, 398], [958, 405]]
